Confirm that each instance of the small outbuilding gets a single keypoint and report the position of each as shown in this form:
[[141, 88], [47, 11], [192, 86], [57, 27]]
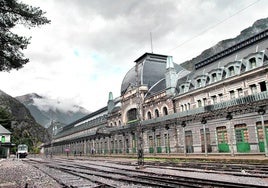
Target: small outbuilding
[[5, 142]]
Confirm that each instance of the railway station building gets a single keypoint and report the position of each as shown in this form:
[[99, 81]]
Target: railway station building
[[5, 142], [218, 107]]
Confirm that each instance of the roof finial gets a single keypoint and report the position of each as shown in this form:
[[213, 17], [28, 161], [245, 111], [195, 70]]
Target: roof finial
[[111, 96], [170, 62]]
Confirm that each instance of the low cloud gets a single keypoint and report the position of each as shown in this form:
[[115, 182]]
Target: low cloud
[[46, 104]]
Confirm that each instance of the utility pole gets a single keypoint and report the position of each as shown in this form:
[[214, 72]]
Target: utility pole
[[140, 154]]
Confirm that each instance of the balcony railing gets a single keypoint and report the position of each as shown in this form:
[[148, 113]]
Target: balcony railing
[[233, 102]]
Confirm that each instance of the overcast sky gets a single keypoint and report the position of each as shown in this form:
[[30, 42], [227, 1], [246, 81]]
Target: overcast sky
[[91, 44]]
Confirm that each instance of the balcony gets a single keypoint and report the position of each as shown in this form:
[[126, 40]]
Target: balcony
[[223, 105]]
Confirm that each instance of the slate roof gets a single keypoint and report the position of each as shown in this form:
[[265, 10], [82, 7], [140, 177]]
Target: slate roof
[[151, 69], [3, 130]]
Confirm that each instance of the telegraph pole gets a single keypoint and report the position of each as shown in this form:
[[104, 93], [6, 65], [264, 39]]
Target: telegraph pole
[[140, 154]]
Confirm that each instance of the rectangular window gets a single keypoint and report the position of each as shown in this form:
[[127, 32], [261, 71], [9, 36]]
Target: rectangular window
[[204, 101], [199, 103], [240, 92], [214, 99], [263, 86], [221, 97], [232, 94], [253, 88]]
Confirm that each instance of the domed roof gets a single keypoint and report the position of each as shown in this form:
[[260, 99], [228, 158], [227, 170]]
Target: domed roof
[[151, 69]]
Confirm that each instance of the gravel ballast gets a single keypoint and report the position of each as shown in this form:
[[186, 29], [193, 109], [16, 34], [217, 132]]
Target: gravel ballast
[[14, 173]]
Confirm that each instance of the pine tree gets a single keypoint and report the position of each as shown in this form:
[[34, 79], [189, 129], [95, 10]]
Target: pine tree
[[13, 13]]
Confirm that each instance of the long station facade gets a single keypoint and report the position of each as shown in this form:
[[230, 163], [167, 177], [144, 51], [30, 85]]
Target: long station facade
[[219, 107]]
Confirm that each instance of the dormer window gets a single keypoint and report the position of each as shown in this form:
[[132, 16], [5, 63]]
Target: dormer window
[[199, 83], [214, 77], [252, 63], [184, 87], [233, 68], [201, 80], [231, 71], [254, 60]]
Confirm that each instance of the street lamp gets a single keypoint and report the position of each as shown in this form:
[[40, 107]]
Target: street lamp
[[167, 144], [261, 112], [229, 117], [183, 125], [204, 122]]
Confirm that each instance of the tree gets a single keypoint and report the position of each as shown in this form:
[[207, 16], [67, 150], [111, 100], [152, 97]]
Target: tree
[[13, 13]]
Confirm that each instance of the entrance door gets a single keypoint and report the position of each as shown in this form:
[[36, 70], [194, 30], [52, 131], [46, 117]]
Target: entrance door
[[158, 144], [241, 134], [209, 149], [134, 144], [189, 142], [222, 139], [127, 146], [261, 136], [167, 143], [151, 144]]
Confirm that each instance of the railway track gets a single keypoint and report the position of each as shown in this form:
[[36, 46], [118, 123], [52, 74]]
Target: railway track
[[245, 170], [77, 173]]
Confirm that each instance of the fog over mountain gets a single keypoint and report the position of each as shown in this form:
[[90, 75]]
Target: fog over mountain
[[24, 127], [45, 109]]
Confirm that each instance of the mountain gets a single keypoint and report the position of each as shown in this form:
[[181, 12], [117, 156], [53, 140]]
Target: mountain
[[44, 109], [24, 128], [257, 27]]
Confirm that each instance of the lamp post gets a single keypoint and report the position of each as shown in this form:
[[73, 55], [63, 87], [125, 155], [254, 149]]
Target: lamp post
[[183, 125], [261, 112], [229, 117], [167, 144], [204, 122]]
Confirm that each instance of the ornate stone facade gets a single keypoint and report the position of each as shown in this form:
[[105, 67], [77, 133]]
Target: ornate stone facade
[[212, 109]]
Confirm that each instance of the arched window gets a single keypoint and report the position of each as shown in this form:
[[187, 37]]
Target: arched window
[[115, 124], [149, 115], [132, 114], [111, 124], [156, 112], [165, 111], [119, 122]]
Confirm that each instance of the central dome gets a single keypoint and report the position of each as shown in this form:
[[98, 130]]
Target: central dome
[[151, 69]]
